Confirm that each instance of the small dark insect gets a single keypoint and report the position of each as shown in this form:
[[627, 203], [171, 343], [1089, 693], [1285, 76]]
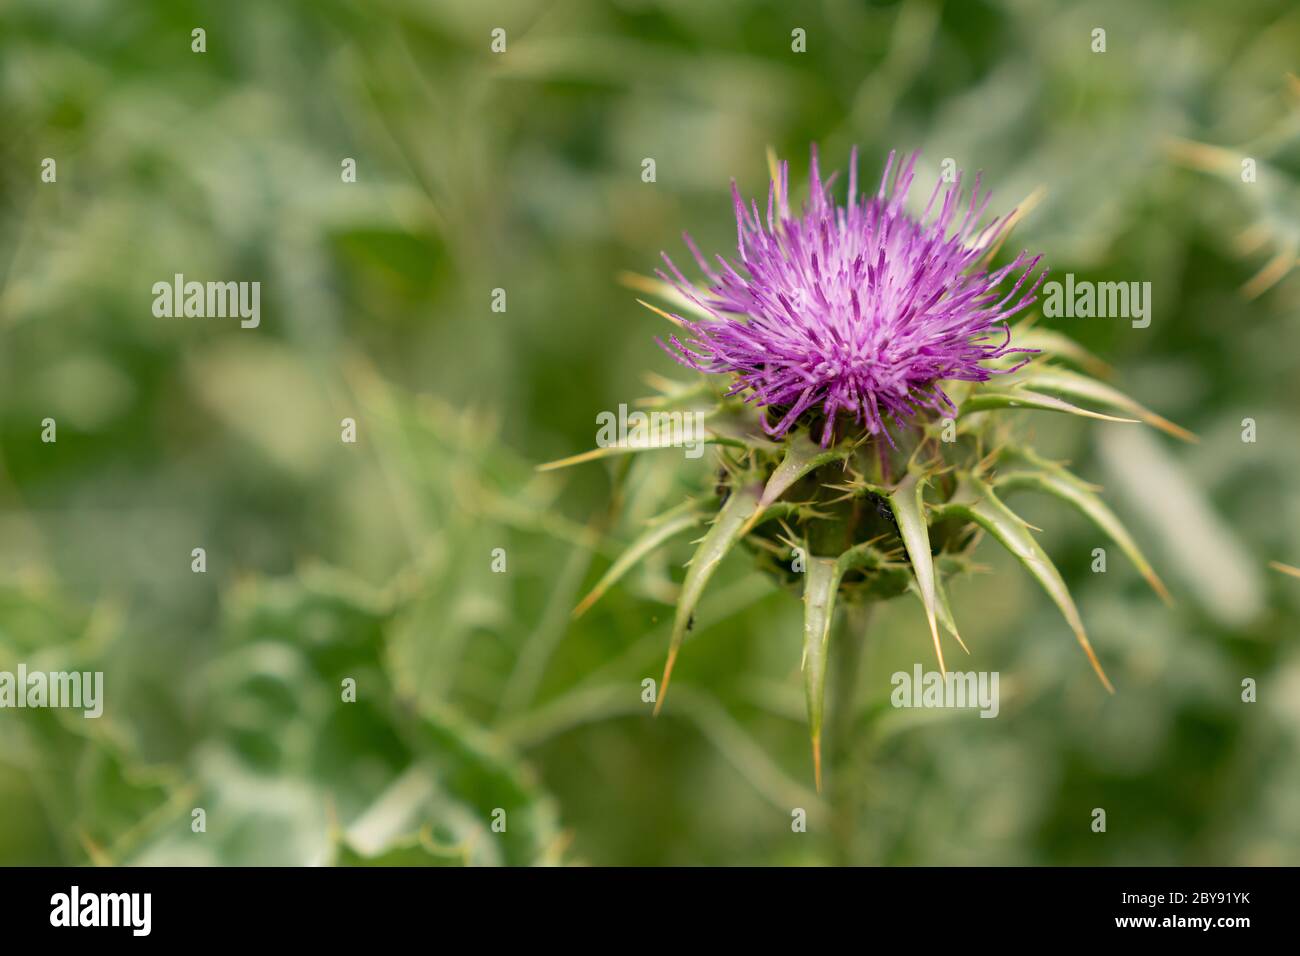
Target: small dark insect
[[884, 510], [723, 489]]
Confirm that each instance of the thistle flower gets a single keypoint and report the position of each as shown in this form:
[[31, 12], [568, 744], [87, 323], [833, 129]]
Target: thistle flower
[[878, 348], [859, 308]]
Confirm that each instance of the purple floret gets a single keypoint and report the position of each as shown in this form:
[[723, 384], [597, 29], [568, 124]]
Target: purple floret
[[859, 310]]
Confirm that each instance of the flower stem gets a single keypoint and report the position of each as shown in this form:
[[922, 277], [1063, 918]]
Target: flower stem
[[846, 771]]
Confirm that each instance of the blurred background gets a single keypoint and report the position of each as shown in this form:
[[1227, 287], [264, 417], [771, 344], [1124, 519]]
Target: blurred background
[[522, 171]]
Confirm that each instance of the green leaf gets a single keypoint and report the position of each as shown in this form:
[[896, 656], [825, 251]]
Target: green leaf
[[987, 399], [1060, 381], [944, 609], [1070, 489], [946, 617], [416, 849], [740, 426], [802, 455], [1056, 345], [653, 536], [476, 769], [672, 392], [975, 501], [821, 581], [1285, 568], [729, 423], [865, 555], [888, 577], [909, 511], [608, 451], [728, 528], [652, 285]]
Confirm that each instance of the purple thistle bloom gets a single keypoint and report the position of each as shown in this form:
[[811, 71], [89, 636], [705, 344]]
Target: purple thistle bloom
[[857, 309]]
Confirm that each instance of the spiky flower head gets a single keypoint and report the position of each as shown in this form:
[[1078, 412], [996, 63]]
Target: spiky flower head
[[860, 314], [858, 310]]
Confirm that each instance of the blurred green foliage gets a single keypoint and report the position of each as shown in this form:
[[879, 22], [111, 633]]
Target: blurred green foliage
[[372, 561]]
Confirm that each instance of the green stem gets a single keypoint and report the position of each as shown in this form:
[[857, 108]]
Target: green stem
[[846, 774]]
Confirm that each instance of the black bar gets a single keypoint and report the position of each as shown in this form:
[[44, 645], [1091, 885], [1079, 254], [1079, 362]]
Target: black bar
[[333, 906]]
